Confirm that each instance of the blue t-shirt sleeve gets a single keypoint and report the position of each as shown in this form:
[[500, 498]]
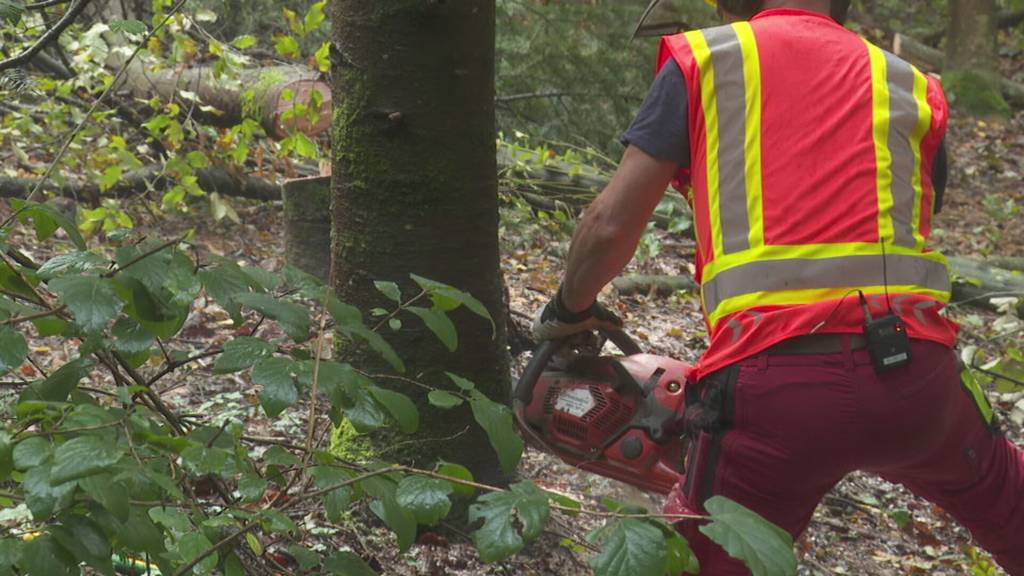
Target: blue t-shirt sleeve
[[660, 127]]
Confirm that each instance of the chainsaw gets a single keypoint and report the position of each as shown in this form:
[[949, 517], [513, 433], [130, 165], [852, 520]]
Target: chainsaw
[[620, 417]]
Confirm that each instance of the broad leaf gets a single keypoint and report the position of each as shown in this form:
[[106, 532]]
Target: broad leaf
[[401, 522], [292, 317], [496, 420], [60, 384], [13, 349], [475, 306], [43, 555], [366, 414], [74, 263], [426, 498], [461, 382], [31, 452], [400, 407], [133, 27], [7, 455], [46, 219], [443, 399], [82, 456], [191, 546], [439, 324], [130, 336], [11, 11], [765, 548], [389, 289], [111, 494], [630, 546], [241, 353], [336, 501], [42, 496], [86, 541], [224, 283], [459, 472], [348, 564], [511, 519], [92, 301], [277, 377], [350, 323]]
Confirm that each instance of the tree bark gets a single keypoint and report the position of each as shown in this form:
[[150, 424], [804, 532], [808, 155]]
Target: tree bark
[[415, 191], [307, 224], [971, 80]]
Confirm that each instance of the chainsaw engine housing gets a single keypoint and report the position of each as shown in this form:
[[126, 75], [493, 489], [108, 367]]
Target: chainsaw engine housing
[[617, 417]]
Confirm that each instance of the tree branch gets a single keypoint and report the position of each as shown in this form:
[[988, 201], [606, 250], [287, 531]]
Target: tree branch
[[52, 34]]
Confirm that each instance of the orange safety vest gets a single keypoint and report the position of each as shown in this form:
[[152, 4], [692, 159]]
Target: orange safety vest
[[810, 179]]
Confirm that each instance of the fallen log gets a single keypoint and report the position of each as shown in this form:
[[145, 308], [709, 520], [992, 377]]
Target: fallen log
[[933, 59], [138, 182]]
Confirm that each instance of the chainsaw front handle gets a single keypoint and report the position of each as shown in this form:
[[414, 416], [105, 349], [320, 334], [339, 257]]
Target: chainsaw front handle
[[542, 356]]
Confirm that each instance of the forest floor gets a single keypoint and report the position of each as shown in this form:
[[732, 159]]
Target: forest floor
[[865, 526]]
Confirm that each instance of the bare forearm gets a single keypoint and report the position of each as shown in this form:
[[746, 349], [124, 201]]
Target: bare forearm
[[611, 227]]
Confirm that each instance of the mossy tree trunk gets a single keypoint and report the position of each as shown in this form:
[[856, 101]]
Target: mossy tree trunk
[[970, 76], [415, 191]]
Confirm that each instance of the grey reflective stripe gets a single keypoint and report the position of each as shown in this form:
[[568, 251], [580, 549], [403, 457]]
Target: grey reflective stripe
[[810, 274], [730, 92], [903, 118]]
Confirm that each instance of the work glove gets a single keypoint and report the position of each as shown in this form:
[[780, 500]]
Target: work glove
[[555, 321]]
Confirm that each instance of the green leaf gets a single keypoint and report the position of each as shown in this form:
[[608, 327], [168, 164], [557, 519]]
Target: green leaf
[[92, 301], [389, 289], [140, 534], [475, 306], [60, 384], [766, 549], [461, 382], [439, 324], [277, 521], [630, 546], [133, 27], [244, 41], [366, 414], [224, 283], [278, 456], [307, 559], [511, 519], [277, 377], [172, 519], [292, 317], [681, 559], [47, 218], [496, 420], [13, 349], [42, 496], [111, 494], [86, 541], [350, 322], [348, 564], [7, 455], [30, 452], [11, 11], [287, 46], [130, 336], [82, 456], [443, 399], [191, 545], [241, 353], [74, 263], [336, 501], [43, 555], [401, 522], [323, 57], [10, 553], [314, 16], [400, 407], [460, 472], [426, 498]]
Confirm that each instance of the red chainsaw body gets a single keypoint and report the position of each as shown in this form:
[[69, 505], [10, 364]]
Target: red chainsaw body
[[618, 417]]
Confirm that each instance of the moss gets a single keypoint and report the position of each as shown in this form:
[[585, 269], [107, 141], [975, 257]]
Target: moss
[[350, 445], [976, 93]]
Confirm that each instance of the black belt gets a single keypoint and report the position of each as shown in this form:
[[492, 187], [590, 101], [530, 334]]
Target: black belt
[[817, 344]]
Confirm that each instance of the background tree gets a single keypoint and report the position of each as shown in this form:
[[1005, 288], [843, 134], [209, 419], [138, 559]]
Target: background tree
[[415, 187], [971, 78]]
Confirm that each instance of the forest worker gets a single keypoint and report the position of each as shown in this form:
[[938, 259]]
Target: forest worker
[[809, 157]]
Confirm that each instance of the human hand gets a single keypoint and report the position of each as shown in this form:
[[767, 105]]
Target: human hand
[[555, 321]]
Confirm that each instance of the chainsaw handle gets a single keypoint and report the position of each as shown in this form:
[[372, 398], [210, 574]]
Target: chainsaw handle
[[546, 351]]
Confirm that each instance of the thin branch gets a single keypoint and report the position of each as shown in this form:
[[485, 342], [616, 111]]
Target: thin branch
[[30, 317], [172, 366], [113, 272], [44, 4], [51, 35]]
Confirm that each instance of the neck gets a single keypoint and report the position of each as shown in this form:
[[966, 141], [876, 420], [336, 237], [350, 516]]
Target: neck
[[820, 6]]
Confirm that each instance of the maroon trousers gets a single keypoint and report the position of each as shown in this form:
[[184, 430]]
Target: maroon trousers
[[791, 427]]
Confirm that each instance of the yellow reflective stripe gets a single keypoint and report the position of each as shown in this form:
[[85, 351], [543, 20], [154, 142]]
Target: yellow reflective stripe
[[784, 252], [810, 296], [924, 122], [702, 54], [883, 158], [752, 152]]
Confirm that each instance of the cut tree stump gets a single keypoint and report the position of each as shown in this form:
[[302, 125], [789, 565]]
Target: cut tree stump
[[307, 224]]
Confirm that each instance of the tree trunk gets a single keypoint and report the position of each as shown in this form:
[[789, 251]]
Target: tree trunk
[[415, 191], [307, 224], [971, 80]]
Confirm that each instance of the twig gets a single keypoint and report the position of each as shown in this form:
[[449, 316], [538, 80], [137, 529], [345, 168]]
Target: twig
[[44, 4], [113, 271], [316, 374], [52, 34], [30, 317], [995, 374], [172, 366]]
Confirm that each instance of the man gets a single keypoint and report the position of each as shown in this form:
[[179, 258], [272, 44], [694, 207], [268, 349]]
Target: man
[[814, 162]]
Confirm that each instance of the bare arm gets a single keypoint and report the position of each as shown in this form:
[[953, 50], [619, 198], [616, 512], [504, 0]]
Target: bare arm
[[610, 229]]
